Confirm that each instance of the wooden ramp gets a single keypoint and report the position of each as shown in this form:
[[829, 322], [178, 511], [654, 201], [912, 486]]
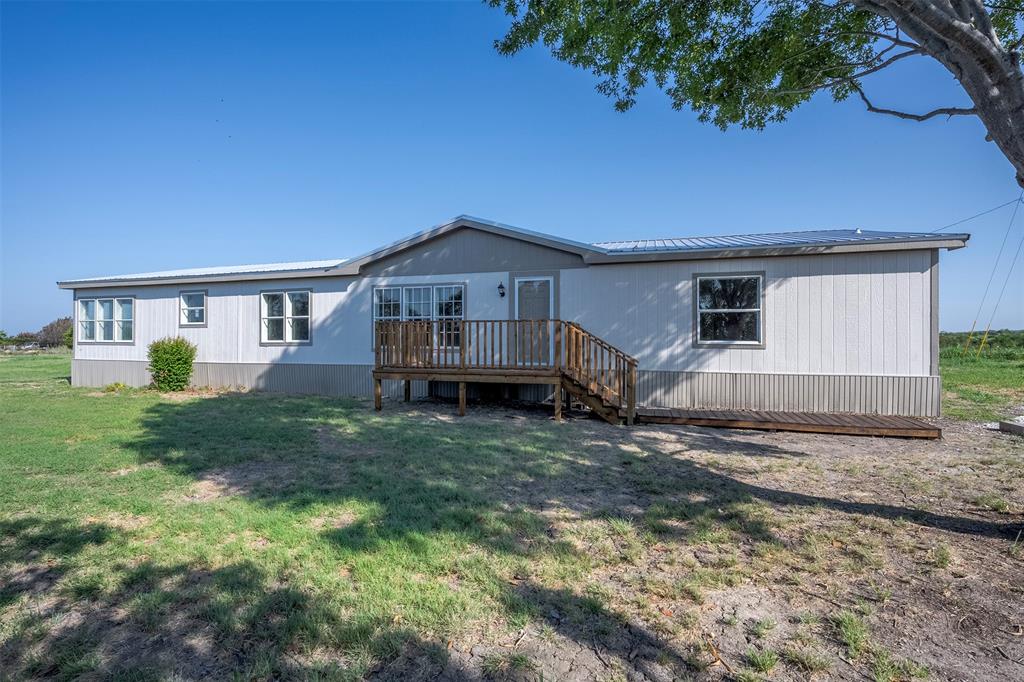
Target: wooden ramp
[[808, 422]]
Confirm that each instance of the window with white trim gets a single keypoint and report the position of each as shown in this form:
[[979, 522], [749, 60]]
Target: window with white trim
[[729, 310], [422, 302], [193, 309], [387, 303], [109, 320], [447, 308], [284, 316]]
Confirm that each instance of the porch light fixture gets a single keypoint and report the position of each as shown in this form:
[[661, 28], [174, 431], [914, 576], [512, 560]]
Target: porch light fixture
[[501, 290]]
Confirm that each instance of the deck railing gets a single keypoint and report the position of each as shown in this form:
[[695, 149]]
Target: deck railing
[[464, 346]]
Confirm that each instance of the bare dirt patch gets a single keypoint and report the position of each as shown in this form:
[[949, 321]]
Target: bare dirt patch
[[767, 539], [335, 521], [119, 520], [245, 479], [265, 479]]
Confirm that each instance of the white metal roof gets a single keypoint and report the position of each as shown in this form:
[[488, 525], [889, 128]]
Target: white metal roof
[[771, 239], [675, 248], [217, 271]]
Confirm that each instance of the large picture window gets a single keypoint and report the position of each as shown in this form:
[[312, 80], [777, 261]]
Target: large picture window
[[284, 316], [729, 310], [421, 302], [108, 320]]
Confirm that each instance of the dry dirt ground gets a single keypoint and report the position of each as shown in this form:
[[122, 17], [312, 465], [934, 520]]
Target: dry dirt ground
[[845, 558]]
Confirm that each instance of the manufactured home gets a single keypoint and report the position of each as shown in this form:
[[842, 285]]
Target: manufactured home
[[833, 321]]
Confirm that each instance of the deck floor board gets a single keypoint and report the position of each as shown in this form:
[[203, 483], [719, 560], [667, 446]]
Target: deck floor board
[[807, 422]]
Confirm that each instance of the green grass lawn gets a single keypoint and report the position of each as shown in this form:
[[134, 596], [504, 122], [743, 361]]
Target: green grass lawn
[[268, 536], [986, 386], [301, 538]]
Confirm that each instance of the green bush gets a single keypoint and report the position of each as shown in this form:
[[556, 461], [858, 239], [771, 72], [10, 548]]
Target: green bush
[[170, 363]]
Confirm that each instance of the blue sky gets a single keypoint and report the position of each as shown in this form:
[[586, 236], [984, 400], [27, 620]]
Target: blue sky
[[147, 136]]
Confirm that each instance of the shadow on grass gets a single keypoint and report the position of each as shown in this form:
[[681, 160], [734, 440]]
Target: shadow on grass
[[487, 489]]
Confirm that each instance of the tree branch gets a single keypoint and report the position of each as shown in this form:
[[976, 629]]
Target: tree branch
[[944, 111], [852, 78], [895, 40]]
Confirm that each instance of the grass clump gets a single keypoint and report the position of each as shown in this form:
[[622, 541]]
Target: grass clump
[[805, 659], [993, 502], [852, 632], [942, 556], [502, 665], [762, 660], [885, 668], [762, 627]]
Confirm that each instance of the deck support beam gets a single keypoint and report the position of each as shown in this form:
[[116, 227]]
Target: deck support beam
[[376, 394], [408, 390], [558, 403], [462, 398]]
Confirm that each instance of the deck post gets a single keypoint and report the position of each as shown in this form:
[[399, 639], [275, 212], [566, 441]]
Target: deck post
[[631, 395], [558, 346], [462, 398], [376, 394], [558, 401], [408, 390]]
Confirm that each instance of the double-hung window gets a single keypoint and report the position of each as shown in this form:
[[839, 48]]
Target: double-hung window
[[444, 303], [109, 320], [193, 309], [448, 302], [284, 316], [729, 310]]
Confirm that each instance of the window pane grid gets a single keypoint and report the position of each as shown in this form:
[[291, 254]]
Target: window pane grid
[[285, 316], [106, 319], [444, 303], [387, 303]]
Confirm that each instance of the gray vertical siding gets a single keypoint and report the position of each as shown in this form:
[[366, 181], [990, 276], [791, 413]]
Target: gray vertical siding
[[855, 313], [907, 396], [902, 395], [333, 380], [469, 250]]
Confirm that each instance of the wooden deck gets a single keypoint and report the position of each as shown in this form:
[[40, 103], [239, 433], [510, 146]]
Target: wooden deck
[[808, 422], [553, 352]]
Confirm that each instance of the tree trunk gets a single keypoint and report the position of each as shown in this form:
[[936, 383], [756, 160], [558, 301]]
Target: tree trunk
[[959, 35]]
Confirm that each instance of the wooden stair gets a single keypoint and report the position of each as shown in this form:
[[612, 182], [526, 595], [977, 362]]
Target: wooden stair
[[598, 401]]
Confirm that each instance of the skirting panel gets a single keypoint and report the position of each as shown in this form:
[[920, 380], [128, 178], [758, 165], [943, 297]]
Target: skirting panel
[[900, 395], [335, 380], [894, 395], [531, 393]]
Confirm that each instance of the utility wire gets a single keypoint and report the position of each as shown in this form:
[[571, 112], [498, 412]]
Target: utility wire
[[1006, 281], [978, 215], [992, 274]]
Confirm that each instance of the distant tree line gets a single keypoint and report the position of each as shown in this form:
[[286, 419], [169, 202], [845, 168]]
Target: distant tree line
[[56, 333]]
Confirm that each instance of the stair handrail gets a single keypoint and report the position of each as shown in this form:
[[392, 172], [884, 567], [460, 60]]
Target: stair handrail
[[591, 360]]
